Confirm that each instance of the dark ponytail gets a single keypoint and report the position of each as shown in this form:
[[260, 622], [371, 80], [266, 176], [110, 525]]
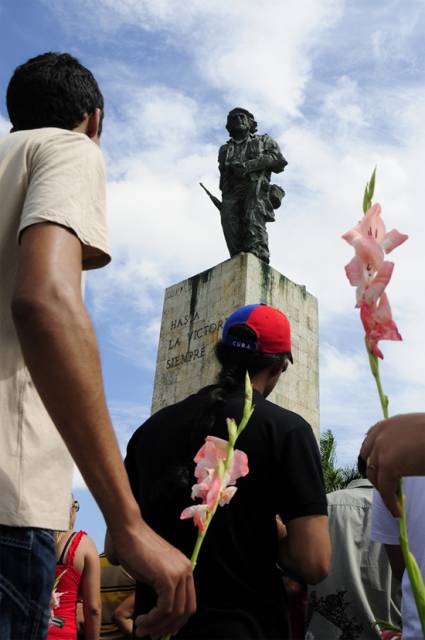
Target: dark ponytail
[[235, 362]]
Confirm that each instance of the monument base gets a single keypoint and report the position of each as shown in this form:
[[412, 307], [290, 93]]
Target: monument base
[[194, 312]]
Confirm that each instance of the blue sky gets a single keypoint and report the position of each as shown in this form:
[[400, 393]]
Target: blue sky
[[338, 84]]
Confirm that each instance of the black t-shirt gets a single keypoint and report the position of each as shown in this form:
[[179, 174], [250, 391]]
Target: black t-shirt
[[238, 585]]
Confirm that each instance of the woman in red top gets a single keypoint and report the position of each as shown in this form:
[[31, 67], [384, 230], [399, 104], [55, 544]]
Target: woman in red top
[[78, 571]]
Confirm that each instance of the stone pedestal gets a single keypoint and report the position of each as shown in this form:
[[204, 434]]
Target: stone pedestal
[[193, 315]]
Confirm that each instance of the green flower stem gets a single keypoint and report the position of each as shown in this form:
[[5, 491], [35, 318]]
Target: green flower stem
[[385, 626], [247, 413], [234, 434], [202, 534], [415, 576], [374, 367], [248, 408]]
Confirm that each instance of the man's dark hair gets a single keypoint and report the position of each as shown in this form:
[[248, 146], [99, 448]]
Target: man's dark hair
[[235, 362], [361, 466], [52, 90]]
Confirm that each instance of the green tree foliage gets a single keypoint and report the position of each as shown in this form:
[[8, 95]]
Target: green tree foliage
[[335, 477]]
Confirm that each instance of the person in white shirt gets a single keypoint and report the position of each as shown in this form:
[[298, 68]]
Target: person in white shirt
[[385, 529]]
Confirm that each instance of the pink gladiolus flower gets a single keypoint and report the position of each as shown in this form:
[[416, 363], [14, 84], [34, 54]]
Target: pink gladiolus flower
[[211, 485], [368, 271], [239, 466], [209, 454], [214, 490], [390, 635], [55, 598], [226, 495], [378, 323], [208, 459], [214, 451], [199, 513]]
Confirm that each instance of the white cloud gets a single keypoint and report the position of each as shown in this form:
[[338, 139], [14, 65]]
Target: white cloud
[[78, 480], [342, 367], [342, 104], [155, 118], [271, 79], [347, 401], [395, 41], [256, 53]]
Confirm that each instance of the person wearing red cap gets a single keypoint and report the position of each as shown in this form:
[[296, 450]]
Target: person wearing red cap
[[239, 586]]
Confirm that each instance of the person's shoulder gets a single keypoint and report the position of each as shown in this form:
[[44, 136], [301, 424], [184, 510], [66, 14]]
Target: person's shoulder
[[68, 139], [358, 493], [184, 406], [167, 417], [53, 140], [45, 134], [281, 415], [28, 139], [87, 544]]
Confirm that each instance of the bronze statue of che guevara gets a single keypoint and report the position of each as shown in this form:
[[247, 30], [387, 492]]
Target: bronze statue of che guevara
[[246, 163]]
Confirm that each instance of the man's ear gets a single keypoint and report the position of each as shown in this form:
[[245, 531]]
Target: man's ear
[[279, 366], [276, 368], [93, 124]]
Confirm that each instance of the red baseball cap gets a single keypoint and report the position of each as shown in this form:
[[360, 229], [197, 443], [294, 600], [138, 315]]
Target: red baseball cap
[[271, 327]]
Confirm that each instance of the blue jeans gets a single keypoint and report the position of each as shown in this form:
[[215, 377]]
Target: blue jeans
[[27, 571]]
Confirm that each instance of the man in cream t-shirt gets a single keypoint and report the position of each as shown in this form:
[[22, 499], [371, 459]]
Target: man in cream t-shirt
[[52, 225], [36, 468]]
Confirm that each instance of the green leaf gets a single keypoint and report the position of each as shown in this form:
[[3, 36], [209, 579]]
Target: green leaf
[[365, 199], [335, 477], [369, 191], [372, 185]]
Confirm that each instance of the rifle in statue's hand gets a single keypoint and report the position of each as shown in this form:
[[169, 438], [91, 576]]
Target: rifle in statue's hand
[[215, 200]]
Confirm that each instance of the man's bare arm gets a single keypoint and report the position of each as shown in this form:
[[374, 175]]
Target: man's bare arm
[[394, 448], [306, 549], [60, 350]]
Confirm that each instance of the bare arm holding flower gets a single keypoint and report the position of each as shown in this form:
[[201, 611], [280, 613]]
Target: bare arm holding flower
[[395, 448]]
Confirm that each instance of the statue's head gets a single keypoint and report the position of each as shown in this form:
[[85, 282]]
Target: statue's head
[[240, 119]]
